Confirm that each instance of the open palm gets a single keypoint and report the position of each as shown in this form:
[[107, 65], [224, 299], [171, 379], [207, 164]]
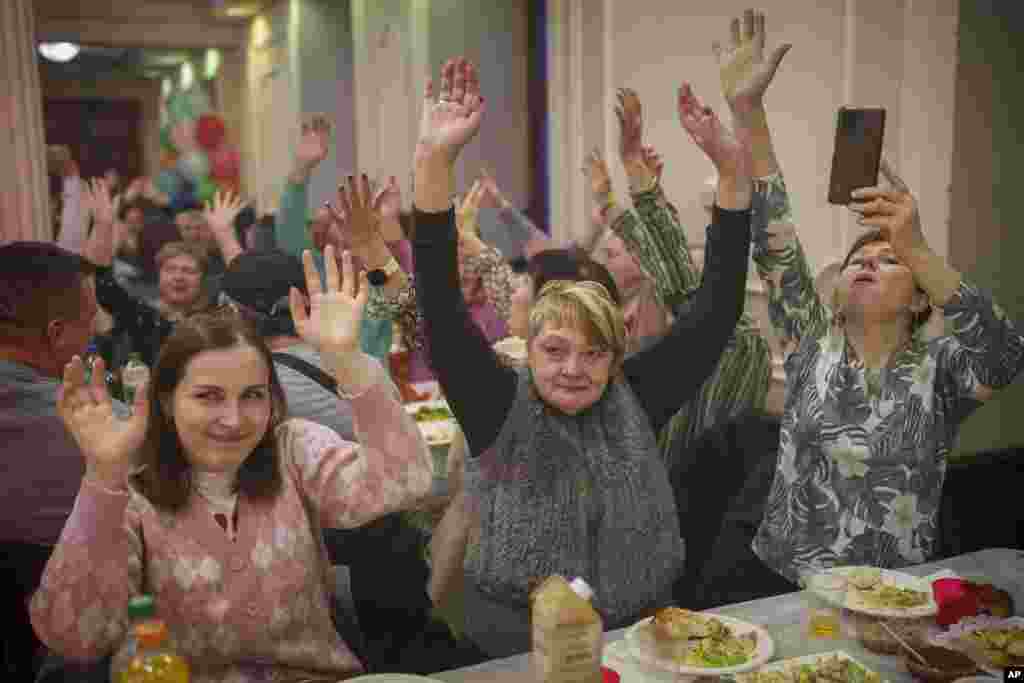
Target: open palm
[[101, 205], [312, 148], [108, 443], [333, 318], [744, 71], [388, 200], [631, 125], [596, 170], [730, 154], [454, 119]]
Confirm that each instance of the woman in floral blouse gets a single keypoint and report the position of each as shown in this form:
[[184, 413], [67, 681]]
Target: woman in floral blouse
[[222, 523], [872, 408]]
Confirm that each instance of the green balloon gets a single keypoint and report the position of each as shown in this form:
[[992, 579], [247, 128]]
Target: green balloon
[[179, 108], [205, 189], [165, 139], [199, 102]]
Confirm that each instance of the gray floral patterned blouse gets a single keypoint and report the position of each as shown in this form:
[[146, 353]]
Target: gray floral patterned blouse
[[862, 454]]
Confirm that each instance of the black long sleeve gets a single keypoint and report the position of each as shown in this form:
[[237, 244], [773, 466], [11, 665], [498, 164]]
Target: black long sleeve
[[671, 372], [479, 389], [132, 317]]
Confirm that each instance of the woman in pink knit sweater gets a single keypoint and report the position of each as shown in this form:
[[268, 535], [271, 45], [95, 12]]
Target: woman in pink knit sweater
[[222, 522]]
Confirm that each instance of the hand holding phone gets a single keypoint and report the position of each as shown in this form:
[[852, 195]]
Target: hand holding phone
[[857, 154]]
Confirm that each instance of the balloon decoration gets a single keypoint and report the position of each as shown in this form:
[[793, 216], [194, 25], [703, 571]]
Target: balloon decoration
[[225, 162], [194, 165], [197, 158], [209, 131], [170, 183]]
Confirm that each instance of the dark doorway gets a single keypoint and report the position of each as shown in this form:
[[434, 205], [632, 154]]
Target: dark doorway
[[539, 209], [101, 133]]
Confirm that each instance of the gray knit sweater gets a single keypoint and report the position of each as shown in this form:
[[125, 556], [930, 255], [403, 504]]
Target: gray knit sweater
[[584, 495]]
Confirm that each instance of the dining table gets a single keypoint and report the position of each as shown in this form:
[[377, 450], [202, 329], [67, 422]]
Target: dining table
[[784, 617]]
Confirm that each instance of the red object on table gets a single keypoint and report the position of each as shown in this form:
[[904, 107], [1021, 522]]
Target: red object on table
[[610, 676], [956, 599]]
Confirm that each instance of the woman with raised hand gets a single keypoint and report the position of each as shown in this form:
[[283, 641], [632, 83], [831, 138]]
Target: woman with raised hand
[[872, 406], [181, 267], [222, 522], [572, 482]]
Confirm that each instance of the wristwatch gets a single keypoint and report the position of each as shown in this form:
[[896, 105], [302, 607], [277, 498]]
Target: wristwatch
[[379, 276]]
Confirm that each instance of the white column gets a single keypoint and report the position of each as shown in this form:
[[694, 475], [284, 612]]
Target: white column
[[24, 195]]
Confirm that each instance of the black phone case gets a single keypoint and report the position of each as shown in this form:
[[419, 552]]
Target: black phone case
[[857, 155]]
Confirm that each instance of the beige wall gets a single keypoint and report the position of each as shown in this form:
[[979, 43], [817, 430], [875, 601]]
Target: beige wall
[[398, 42], [272, 107], [24, 196], [144, 91], [899, 54]]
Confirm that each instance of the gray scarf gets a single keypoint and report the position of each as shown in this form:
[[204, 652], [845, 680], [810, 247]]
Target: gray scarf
[[584, 495]]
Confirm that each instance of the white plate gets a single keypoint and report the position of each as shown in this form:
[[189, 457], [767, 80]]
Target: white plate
[[848, 597], [784, 664], [637, 636], [393, 678], [435, 432], [413, 406], [967, 625]]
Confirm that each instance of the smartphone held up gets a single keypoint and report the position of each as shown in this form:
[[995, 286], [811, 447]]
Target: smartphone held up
[[857, 155]]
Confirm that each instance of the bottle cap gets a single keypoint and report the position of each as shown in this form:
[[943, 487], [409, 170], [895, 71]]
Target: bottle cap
[[151, 633], [91, 348], [581, 588], [141, 607]]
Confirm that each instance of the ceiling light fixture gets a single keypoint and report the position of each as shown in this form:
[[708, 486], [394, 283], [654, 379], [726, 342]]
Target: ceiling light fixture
[[58, 52], [187, 76], [240, 11]]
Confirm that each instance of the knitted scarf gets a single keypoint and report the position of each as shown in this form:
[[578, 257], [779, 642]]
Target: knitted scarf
[[578, 495]]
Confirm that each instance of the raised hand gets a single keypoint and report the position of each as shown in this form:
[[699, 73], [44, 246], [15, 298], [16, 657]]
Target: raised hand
[[491, 196], [631, 126], [469, 209], [101, 206], [312, 148], [743, 68], [355, 216], [108, 443], [596, 170], [653, 161], [891, 209], [221, 211], [387, 200], [730, 154], [454, 119], [332, 320]]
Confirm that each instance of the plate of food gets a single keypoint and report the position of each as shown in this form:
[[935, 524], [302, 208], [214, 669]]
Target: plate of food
[[513, 347], [830, 667], [697, 644], [875, 592], [993, 643], [435, 420]]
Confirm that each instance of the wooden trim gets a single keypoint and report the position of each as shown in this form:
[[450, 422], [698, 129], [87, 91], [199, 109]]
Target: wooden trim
[[168, 34]]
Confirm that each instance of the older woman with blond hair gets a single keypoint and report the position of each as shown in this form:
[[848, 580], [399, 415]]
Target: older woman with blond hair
[[564, 469]]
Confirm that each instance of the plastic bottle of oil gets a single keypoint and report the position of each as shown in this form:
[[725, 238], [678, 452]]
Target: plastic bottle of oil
[[567, 632]]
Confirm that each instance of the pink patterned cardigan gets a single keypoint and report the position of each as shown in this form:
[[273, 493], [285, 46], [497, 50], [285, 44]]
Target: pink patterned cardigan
[[256, 609]]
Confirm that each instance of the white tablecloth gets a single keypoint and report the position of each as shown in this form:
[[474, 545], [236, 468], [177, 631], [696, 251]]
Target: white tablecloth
[[783, 615]]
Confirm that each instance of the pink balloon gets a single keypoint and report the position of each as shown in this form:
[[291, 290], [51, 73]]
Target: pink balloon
[[183, 135]]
